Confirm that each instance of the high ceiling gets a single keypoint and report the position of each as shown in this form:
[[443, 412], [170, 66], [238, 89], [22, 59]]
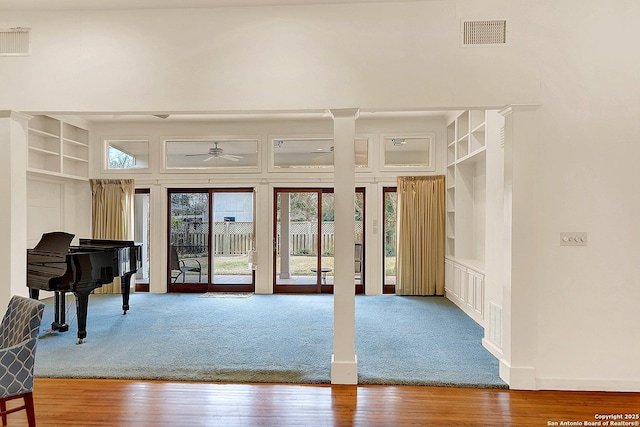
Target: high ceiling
[[160, 4]]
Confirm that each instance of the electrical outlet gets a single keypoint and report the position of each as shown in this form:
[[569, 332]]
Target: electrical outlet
[[573, 238]]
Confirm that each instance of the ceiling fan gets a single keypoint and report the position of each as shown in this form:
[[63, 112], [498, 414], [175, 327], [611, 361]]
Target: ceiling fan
[[216, 152]]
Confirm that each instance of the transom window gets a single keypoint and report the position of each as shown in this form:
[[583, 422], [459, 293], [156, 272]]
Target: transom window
[[127, 154], [313, 153], [211, 153], [402, 151]]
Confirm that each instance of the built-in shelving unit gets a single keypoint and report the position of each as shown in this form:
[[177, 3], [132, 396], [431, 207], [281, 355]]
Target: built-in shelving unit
[[466, 199], [58, 148], [466, 148]]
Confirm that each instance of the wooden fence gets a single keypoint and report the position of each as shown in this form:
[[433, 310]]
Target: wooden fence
[[235, 238]]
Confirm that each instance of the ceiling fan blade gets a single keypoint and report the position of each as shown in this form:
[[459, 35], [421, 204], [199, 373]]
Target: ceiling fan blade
[[209, 158], [230, 157], [192, 155]]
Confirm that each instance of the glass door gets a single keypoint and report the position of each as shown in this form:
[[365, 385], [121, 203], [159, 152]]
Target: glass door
[[210, 238], [188, 262], [304, 236], [232, 240], [298, 264], [389, 243]]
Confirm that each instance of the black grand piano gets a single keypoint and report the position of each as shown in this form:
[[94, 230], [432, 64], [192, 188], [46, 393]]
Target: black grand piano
[[54, 265]]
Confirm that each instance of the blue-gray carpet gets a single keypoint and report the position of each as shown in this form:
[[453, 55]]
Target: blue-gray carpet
[[267, 338]]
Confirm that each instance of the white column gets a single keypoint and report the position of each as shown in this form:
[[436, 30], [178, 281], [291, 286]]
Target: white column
[[13, 209], [520, 309], [344, 362], [264, 238]]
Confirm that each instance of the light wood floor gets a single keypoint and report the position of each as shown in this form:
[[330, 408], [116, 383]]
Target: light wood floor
[[90, 403]]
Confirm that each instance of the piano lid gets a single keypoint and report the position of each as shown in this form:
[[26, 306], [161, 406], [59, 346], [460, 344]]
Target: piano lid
[[107, 243], [56, 241]]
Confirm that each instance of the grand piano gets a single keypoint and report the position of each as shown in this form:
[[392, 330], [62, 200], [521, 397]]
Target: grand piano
[[54, 265]]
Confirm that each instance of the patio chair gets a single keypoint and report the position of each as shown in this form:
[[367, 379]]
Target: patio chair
[[179, 267], [358, 258], [18, 339]]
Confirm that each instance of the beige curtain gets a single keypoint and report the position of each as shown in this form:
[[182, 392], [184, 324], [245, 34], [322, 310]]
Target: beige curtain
[[420, 235], [112, 215]]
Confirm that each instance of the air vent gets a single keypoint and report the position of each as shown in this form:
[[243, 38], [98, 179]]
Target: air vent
[[484, 33], [15, 41]]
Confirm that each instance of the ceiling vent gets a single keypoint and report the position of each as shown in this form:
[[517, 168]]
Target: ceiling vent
[[15, 41], [484, 33]]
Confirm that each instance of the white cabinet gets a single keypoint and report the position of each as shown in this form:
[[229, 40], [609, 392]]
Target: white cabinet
[[58, 148], [465, 286]]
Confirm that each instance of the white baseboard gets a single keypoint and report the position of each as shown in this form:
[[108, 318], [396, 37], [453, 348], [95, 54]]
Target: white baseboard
[[344, 372], [588, 384], [492, 348], [518, 378]]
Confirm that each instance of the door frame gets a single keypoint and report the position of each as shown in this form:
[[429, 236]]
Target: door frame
[[207, 286], [318, 287]]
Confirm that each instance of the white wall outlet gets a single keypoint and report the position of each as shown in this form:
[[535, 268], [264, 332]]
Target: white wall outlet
[[573, 238]]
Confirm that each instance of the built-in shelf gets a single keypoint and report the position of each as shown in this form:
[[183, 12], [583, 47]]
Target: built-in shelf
[[58, 148], [466, 159]]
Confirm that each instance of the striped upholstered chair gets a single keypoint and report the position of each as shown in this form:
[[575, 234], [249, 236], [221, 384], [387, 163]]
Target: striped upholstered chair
[[19, 332]]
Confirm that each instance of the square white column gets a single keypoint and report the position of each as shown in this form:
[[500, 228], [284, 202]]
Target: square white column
[[344, 362]]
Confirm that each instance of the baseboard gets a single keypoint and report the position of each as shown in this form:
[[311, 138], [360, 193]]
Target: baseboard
[[518, 378], [344, 372], [523, 378], [588, 384], [492, 348]]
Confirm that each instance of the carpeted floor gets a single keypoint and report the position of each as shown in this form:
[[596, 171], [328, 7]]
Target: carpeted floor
[[267, 338]]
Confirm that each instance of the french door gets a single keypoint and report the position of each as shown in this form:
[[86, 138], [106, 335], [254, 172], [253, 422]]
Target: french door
[[211, 236], [303, 240], [389, 236]]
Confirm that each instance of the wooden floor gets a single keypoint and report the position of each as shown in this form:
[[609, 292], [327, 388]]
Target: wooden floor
[[89, 403]]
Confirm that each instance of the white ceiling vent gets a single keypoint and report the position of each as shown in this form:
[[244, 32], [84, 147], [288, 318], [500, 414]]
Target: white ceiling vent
[[484, 33], [15, 41]]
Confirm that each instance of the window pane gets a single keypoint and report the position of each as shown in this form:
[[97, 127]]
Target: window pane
[[232, 237], [189, 237], [313, 153], [413, 151], [205, 154], [127, 154]]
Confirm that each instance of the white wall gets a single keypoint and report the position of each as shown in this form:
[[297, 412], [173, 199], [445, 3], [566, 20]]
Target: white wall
[[575, 58], [399, 55]]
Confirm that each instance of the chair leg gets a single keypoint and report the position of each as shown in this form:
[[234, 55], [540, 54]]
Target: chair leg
[[31, 415], [3, 409]]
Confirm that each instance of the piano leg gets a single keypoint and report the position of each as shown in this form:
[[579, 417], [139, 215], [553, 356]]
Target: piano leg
[[59, 322], [125, 288], [34, 293], [82, 301]]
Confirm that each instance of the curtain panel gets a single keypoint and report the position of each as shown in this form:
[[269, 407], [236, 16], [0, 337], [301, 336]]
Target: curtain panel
[[420, 235], [112, 215]]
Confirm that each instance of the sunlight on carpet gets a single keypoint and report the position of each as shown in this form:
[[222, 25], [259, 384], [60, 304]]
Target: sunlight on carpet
[[226, 295]]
